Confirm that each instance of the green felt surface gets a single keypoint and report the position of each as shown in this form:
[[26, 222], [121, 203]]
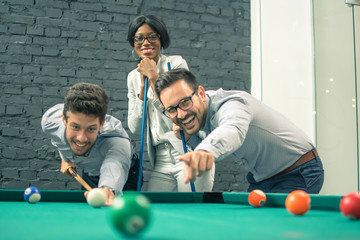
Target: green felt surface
[[177, 219]]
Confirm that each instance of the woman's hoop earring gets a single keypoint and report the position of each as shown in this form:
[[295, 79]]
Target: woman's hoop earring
[[133, 54]]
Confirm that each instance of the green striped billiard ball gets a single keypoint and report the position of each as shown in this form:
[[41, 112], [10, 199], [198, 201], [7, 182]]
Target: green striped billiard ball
[[130, 213]]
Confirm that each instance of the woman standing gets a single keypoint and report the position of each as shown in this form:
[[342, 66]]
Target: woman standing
[[148, 36]]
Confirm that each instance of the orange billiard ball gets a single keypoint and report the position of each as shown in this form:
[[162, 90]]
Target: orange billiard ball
[[298, 202], [257, 198]]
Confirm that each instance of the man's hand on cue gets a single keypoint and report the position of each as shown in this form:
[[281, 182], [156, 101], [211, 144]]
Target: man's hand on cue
[[65, 167], [195, 163]]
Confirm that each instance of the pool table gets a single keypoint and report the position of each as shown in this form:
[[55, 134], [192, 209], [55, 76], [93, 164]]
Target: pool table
[[66, 215]]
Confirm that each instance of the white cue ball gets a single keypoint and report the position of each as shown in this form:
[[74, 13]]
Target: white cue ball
[[96, 198]]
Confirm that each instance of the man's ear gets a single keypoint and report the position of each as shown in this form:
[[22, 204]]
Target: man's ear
[[102, 124], [201, 93], [64, 119]]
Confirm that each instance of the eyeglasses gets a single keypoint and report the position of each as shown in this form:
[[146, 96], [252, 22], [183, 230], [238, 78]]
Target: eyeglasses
[[184, 104], [141, 39]]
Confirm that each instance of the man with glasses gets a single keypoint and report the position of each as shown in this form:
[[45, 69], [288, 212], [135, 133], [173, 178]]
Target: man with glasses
[[280, 158]]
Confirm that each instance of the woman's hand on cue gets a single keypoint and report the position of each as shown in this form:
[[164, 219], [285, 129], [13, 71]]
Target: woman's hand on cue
[[147, 67]]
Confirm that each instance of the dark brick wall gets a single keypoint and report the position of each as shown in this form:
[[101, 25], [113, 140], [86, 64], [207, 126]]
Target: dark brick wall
[[48, 45]]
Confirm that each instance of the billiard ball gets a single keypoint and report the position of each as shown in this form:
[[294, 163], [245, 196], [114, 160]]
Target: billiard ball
[[257, 198], [298, 202], [32, 195], [350, 205], [96, 197], [130, 213]]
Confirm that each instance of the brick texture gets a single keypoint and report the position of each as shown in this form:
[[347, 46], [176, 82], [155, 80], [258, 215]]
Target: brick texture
[[48, 45]]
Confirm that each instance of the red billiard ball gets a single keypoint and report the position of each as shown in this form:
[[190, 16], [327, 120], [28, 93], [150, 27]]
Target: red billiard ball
[[257, 198], [350, 205], [298, 202]]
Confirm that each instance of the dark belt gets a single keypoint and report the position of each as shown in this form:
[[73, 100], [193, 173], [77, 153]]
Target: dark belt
[[303, 159]]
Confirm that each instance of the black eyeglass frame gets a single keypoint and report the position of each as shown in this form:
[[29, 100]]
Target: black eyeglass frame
[[166, 112], [147, 38]]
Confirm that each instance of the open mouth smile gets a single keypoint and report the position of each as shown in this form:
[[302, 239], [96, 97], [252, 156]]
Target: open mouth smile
[[189, 121], [147, 50]]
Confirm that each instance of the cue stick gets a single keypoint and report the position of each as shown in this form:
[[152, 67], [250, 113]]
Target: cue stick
[[79, 179], [182, 133], [185, 151], [142, 136]]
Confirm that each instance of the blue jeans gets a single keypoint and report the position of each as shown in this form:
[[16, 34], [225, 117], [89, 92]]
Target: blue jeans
[[308, 177]]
